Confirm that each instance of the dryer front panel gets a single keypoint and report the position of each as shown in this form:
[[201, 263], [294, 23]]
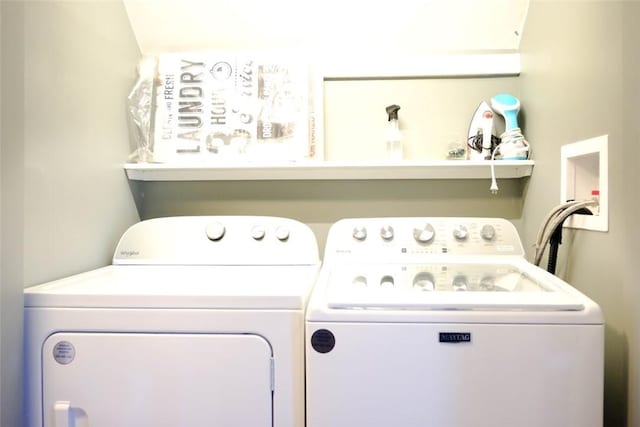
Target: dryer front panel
[[157, 380]]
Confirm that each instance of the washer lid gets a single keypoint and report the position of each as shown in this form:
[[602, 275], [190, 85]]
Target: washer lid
[[218, 287], [450, 286]]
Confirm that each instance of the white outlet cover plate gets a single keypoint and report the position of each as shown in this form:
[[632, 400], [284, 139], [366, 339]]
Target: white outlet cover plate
[[597, 146]]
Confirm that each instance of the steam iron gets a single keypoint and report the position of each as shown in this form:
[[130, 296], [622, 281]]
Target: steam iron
[[514, 146], [481, 139]]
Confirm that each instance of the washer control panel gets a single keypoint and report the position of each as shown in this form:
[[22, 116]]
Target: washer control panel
[[218, 240], [400, 239], [436, 277]]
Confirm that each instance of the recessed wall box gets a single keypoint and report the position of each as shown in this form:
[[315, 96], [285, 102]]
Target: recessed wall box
[[584, 172]]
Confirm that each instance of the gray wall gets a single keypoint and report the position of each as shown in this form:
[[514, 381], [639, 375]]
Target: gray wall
[[580, 75], [66, 70], [11, 166], [631, 193]]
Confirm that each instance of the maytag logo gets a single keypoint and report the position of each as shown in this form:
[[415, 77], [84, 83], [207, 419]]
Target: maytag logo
[[455, 337]]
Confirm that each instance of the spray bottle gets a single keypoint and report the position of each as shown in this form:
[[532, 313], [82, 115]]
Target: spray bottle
[[393, 134]]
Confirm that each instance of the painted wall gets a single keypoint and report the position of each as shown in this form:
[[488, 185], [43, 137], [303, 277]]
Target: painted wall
[[630, 193], [12, 167], [66, 70], [580, 80]]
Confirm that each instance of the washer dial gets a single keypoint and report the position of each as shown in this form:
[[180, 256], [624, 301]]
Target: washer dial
[[424, 234], [488, 232], [386, 233], [460, 232], [424, 281]]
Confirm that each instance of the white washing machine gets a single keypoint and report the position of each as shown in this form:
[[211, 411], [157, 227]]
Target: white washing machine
[[441, 322], [198, 322]]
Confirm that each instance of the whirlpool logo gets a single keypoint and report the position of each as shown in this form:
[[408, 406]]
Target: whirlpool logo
[[455, 337], [129, 253]]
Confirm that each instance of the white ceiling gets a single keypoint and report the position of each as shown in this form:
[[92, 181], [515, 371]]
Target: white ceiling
[[331, 27]]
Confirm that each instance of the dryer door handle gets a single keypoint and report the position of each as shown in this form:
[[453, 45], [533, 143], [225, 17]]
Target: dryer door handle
[[62, 414], [65, 415]]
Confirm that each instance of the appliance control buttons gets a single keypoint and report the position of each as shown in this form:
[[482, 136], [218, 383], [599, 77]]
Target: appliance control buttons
[[282, 233], [258, 232], [424, 234], [387, 282], [487, 232], [215, 231], [359, 233], [386, 232], [424, 281], [460, 232], [360, 281], [487, 283], [459, 283]]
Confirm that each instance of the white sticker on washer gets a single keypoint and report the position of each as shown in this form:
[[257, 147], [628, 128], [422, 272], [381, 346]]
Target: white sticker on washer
[[64, 352]]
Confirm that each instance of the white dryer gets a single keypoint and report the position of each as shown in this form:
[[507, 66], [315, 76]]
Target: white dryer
[[198, 322], [441, 322]]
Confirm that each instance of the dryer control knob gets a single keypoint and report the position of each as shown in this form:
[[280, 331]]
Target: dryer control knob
[[386, 233], [215, 231], [359, 233], [424, 234], [282, 234], [460, 232], [487, 232], [258, 232]]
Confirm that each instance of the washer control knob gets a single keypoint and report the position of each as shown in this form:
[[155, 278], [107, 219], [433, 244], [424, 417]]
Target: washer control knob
[[215, 231], [487, 283], [424, 234], [387, 282], [460, 232], [258, 232], [359, 233], [459, 283], [487, 232], [360, 281], [282, 233], [386, 233], [424, 281]]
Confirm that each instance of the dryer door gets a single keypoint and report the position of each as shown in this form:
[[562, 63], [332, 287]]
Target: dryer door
[[156, 380]]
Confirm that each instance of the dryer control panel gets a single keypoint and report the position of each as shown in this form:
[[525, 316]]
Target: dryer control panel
[[218, 240], [388, 240]]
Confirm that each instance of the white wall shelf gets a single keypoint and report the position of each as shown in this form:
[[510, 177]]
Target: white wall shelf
[[327, 170]]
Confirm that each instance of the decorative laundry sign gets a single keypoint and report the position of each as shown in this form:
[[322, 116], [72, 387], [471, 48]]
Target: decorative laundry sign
[[212, 106]]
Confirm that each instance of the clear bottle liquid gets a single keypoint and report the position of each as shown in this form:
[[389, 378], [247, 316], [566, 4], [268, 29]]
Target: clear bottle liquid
[[394, 142], [393, 135]]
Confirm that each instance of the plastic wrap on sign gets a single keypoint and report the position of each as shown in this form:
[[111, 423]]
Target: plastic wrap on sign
[[213, 106]]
